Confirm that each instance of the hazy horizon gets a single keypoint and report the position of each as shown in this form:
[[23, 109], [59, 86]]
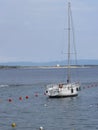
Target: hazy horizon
[[54, 63]]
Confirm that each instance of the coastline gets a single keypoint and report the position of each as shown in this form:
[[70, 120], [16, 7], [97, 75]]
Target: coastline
[[46, 67]]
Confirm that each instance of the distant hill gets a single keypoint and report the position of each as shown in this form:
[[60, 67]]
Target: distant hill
[[53, 63]]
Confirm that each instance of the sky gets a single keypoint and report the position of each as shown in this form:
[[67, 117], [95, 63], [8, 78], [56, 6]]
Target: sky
[[36, 30]]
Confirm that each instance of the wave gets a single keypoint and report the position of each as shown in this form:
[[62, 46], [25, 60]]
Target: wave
[[13, 85], [4, 85], [22, 85]]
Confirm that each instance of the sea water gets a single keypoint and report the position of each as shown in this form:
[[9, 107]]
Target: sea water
[[34, 109]]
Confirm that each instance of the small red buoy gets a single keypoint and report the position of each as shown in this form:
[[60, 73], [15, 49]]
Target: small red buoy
[[83, 87], [92, 85], [36, 94], [10, 100], [27, 97], [20, 98], [44, 93]]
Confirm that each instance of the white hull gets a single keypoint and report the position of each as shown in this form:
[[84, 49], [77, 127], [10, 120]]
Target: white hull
[[62, 90]]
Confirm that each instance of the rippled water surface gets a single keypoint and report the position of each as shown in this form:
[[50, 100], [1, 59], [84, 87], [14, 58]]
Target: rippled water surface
[[29, 107]]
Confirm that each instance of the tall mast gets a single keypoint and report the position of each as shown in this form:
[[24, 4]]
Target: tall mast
[[68, 73]]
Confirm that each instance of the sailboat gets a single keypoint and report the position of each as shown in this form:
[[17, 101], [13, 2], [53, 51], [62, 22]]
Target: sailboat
[[68, 89]]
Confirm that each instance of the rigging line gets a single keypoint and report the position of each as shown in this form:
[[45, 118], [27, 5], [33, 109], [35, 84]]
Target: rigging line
[[73, 36], [68, 73]]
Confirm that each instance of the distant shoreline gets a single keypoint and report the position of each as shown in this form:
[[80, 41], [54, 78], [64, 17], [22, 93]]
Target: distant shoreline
[[46, 67]]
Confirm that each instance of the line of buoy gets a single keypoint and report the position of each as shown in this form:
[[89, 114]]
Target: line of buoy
[[37, 94], [26, 97], [90, 86]]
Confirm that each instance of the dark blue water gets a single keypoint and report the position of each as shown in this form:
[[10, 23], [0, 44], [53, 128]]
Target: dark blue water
[[77, 113]]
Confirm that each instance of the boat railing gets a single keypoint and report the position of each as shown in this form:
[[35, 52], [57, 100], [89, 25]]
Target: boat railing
[[51, 85], [55, 85]]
